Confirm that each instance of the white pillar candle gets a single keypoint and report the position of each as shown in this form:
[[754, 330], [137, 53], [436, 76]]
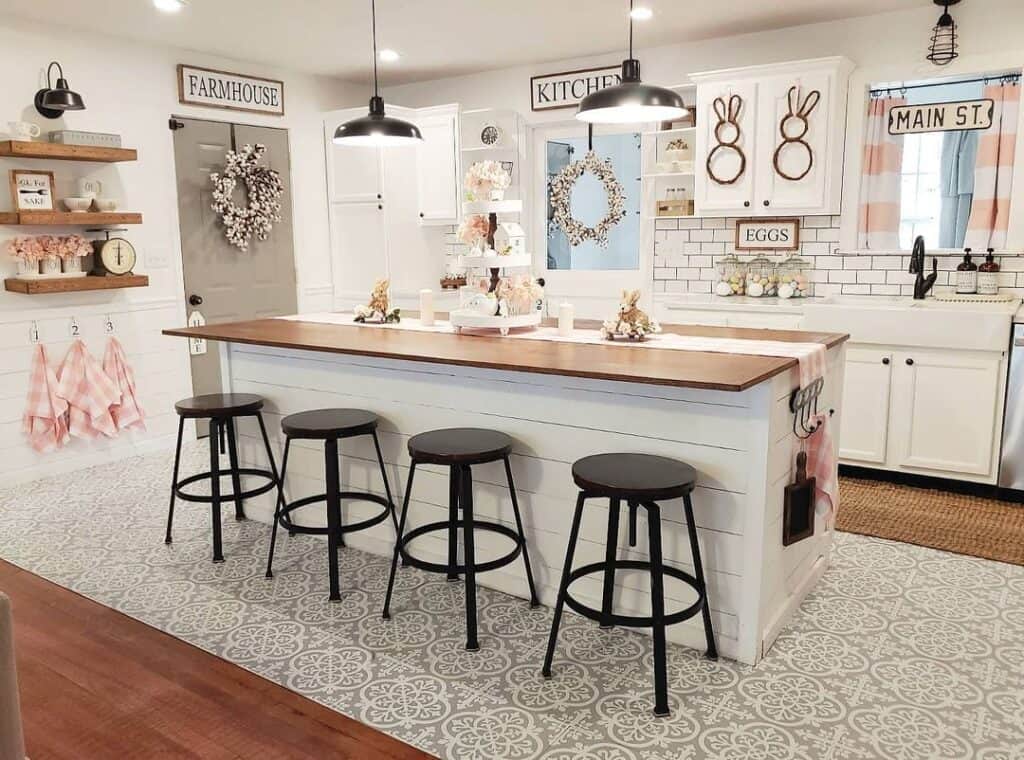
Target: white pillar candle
[[427, 307], [565, 319]]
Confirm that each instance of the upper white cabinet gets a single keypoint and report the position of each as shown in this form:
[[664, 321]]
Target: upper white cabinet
[[353, 175], [770, 139], [437, 165]]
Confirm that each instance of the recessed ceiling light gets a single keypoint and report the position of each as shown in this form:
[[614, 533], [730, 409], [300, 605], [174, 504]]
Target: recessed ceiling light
[[641, 13], [388, 55], [169, 6]]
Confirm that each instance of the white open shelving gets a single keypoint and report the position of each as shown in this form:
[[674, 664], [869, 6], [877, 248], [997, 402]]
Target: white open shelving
[[511, 261], [492, 207]]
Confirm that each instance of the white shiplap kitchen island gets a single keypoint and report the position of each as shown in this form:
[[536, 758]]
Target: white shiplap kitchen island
[[727, 415]]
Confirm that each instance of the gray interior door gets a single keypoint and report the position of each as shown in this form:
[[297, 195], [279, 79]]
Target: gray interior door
[[221, 282]]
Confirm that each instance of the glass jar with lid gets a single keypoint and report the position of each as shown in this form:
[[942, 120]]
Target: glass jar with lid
[[762, 279], [731, 276], [794, 278]]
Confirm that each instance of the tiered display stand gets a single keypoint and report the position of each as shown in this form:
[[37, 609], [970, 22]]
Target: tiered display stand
[[495, 264]]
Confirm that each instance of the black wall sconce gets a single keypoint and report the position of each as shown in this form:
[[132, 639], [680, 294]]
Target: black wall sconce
[[943, 48], [52, 101]]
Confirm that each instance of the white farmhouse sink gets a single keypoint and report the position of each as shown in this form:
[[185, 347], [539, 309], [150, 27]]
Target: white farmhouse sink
[[901, 321]]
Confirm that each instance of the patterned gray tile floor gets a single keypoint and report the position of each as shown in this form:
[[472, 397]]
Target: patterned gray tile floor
[[901, 652]]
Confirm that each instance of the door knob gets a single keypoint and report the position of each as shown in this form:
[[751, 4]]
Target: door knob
[[910, 362], [195, 300]]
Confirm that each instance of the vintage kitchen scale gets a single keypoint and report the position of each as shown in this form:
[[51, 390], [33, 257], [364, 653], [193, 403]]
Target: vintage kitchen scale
[[112, 255]]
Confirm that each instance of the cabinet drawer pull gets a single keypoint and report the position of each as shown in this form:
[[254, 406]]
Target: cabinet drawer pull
[[910, 362], [746, 204], [885, 360], [380, 206], [767, 203]]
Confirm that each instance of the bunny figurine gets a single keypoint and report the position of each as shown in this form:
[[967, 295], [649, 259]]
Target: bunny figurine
[[631, 321], [727, 137], [793, 128]]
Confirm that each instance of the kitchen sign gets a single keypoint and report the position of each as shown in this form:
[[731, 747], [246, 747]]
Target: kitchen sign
[[235, 92], [768, 235], [566, 89], [941, 117]]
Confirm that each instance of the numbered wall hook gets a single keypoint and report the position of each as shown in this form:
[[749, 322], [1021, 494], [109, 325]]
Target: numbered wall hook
[[33, 332], [73, 329], [108, 324]]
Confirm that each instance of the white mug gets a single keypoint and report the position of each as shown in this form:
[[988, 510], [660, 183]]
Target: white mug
[[89, 188], [24, 130]]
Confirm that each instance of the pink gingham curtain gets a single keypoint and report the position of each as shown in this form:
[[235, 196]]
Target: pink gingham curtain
[[993, 172], [879, 225]]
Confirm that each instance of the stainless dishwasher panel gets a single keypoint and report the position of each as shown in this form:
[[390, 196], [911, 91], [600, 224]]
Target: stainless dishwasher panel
[[1011, 460]]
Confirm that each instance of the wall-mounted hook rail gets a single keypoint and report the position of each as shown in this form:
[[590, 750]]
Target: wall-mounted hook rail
[[804, 406]]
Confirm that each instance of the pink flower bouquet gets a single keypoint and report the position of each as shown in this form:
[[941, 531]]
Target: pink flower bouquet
[[473, 229], [484, 177]]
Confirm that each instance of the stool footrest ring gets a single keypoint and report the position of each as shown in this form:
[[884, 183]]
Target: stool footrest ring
[[285, 522], [225, 497], [480, 567], [635, 621]]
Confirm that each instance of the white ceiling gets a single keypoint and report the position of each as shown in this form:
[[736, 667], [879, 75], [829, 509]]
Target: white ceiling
[[435, 37]]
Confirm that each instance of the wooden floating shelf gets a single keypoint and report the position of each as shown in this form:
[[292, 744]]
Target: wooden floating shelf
[[62, 152], [74, 284], [31, 218]]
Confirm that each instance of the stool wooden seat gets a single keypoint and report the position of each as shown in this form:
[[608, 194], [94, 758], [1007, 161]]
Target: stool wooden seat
[[219, 405], [459, 449], [221, 409], [321, 424], [330, 426], [641, 480], [460, 446], [641, 477]]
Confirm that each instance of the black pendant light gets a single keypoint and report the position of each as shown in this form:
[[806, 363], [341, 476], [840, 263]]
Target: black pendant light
[[52, 101], [631, 101], [375, 129], [943, 47]]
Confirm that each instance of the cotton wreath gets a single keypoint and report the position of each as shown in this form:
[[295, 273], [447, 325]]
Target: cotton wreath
[[263, 187], [561, 195]]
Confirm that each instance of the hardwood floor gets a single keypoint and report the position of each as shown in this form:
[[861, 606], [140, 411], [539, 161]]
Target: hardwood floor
[[98, 684]]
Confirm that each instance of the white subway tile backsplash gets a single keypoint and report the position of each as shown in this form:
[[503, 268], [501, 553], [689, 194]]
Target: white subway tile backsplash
[[702, 235], [716, 223], [871, 276], [842, 275]]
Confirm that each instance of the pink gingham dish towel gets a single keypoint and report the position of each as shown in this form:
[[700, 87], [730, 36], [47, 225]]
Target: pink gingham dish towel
[[128, 412], [44, 421], [89, 393], [821, 453]]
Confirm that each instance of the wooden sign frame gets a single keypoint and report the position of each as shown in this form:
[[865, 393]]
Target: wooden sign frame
[[279, 84], [611, 71], [15, 196], [793, 244]]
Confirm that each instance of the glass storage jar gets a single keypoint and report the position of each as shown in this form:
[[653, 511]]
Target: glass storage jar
[[731, 276], [794, 278], [762, 279]]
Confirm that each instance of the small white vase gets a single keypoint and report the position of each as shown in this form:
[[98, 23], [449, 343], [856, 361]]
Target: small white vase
[[28, 268], [497, 195], [73, 265], [50, 266]]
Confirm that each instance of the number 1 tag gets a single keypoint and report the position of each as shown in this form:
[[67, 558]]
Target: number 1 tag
[[196, 346]]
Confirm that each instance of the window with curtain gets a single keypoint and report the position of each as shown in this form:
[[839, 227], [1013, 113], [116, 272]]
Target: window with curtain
[[951, 186]]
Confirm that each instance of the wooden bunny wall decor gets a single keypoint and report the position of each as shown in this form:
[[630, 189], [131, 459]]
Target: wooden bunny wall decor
[[727, 137], [793, 128]]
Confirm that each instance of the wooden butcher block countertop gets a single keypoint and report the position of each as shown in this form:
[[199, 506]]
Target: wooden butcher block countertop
[[607, 361]]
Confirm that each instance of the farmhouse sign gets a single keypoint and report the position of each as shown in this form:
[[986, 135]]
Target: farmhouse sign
[[941, 117], [567, 88], [235, 92], [768, 235]]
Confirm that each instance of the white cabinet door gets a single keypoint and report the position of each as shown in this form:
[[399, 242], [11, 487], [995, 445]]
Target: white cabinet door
[[437, 178], [720, 108], [945, 411], [793, 151], [866, 385], [359, 243], [353, 174]]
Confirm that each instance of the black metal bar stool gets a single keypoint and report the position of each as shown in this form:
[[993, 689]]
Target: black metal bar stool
[[641, 480], [221, 409], [459, 449], [330, 426]]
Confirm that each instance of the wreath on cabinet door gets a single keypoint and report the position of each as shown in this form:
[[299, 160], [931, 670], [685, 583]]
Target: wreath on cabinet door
[[727, 137], [263, 189], [561, 200]]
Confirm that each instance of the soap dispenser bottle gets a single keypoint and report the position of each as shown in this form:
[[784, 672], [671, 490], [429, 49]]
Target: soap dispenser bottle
[[988, 275], [967, 275]]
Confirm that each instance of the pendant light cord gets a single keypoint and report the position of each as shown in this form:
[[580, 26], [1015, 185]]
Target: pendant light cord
[[373, 26], [630, 28]]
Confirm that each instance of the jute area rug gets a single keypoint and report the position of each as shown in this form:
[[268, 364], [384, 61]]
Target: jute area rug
[[953, 522]]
